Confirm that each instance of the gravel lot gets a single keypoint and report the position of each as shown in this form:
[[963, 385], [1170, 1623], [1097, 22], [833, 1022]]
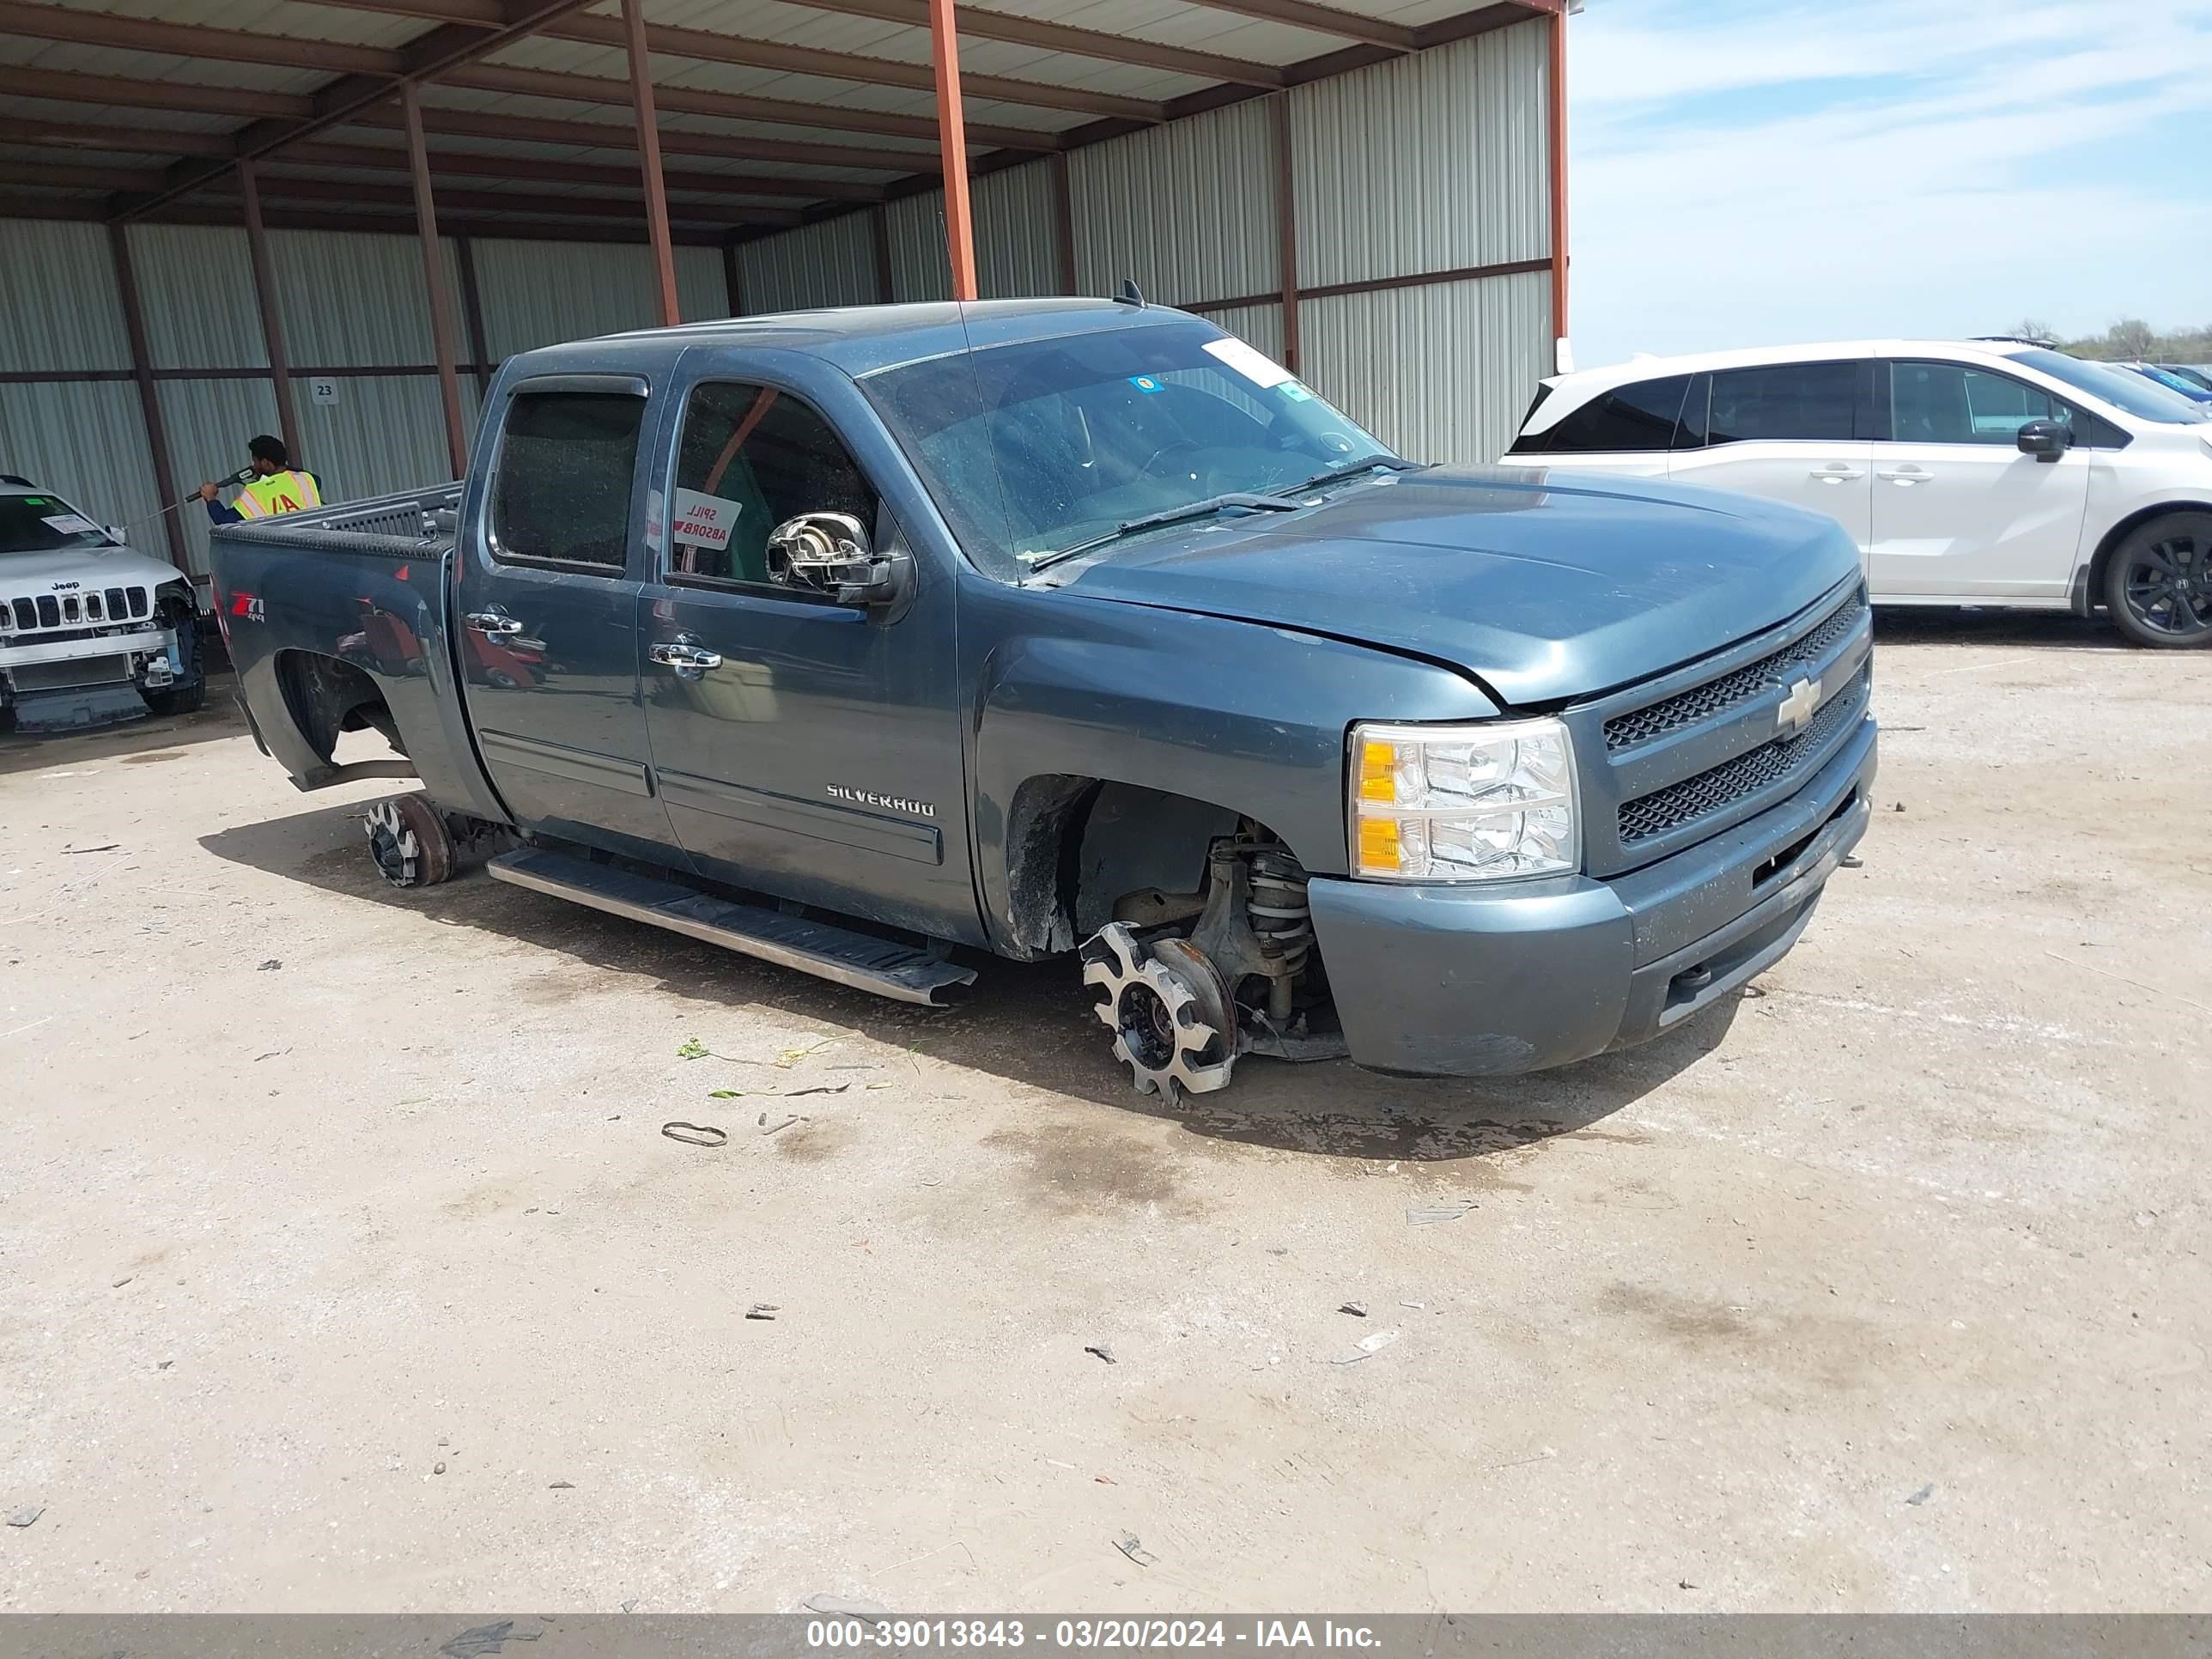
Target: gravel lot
[[343, 1265]]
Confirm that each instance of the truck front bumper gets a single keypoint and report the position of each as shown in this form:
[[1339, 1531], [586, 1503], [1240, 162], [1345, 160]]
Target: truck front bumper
[[1460, 982]]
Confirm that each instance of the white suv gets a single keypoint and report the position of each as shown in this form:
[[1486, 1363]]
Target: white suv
[[1984, 472], [90, 632]]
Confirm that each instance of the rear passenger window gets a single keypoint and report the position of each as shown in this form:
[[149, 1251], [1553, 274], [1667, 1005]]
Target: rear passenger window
[[1810, 401], [1627, 420], [751, 458], [1951, 403], [562, 491]]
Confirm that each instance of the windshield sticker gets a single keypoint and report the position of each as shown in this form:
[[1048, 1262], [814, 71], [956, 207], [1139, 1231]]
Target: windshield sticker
[[1144, 383], [704, 521], [1296, 394], [1261, 371], [36, 501], [69, 523]]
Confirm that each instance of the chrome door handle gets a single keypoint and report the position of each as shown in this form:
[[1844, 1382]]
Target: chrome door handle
[[1838, 473], [493, 623], [681, 654], [1905, 475]]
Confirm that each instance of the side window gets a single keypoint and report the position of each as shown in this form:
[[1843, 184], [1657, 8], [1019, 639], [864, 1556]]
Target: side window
[[562, 488], [1808, 401], [1627, 420], [1952, 403], [751, 458]]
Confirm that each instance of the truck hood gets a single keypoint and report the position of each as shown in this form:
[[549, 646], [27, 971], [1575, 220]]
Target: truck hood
[[1543, 586], [34, 573]]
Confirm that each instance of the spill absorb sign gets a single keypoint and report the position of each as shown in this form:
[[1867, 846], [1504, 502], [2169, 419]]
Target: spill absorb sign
[[704, 521]]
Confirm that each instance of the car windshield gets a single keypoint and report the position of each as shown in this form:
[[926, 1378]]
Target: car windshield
[[1034, 448], [2135, 393], [45, 524]]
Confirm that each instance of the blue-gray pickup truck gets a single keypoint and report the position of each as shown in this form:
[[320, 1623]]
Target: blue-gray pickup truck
[[877, 642]]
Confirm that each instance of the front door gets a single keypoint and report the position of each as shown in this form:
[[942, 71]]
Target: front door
[[1959, 511], [805, 748], [1790, 432], [547, 629]]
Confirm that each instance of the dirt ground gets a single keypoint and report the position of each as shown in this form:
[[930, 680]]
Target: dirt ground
[[343, 1264]]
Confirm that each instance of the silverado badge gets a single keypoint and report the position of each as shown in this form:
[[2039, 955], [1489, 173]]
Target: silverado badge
[[1796, 713]]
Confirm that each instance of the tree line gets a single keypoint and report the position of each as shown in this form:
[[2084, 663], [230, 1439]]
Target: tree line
[[2130, 340]]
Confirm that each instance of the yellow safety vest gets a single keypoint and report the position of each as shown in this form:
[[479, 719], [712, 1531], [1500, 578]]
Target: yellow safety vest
[[280, 492]]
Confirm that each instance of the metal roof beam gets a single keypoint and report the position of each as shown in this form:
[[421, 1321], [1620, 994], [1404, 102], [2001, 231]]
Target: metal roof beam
[[149, 141], [443, 48], [711, 48], [444, 163], [1322, 20], [56, 176], [982, 25], [116, 92], [609, 135], [738, 107], [561, 206], [225, 215], [101, 28]]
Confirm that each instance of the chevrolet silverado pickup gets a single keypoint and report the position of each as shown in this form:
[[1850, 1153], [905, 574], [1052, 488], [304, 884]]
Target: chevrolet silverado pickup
[[877, 643]]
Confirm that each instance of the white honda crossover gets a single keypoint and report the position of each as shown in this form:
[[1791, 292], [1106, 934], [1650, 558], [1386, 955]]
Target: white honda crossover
[[1984, 472]]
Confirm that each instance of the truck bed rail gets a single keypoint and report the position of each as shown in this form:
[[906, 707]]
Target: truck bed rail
[[410, 525]]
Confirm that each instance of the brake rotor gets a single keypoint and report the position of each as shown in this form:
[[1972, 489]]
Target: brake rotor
[[1173, 1023]]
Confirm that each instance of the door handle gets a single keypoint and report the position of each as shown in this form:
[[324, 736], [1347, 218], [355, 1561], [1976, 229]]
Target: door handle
[[493, 623], [1905, 475], [682, 654], [1838, 472]]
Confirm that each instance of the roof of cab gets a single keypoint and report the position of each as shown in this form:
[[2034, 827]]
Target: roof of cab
[[862, 339]]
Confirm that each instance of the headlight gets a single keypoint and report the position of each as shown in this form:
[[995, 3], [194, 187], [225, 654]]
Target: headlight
[[1464, 803]]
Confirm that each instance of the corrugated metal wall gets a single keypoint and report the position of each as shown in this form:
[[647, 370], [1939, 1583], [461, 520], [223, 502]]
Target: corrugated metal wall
[[829, 264], [919, 269], [1433, 162], [1187, 210], [1440, 373], [1017, 238], [347, 302], [537, 294]]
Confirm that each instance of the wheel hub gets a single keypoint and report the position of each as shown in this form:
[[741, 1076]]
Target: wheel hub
[[1173, 1024]]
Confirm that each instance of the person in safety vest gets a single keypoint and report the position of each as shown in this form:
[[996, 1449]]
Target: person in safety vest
[[276, 486]]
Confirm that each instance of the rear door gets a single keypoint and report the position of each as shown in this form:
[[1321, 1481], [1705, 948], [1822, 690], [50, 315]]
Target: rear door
[[805, 748], [548, 601], [1959, 511], [1798, 433]]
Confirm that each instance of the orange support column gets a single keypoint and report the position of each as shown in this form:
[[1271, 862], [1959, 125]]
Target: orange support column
[[952, 141], [648, 155], [1557, 134], [434, 278]]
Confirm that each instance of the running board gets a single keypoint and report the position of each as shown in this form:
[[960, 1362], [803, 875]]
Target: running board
[[862, 961]]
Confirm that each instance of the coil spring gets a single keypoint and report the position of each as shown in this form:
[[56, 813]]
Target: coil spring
[[1278, 910]]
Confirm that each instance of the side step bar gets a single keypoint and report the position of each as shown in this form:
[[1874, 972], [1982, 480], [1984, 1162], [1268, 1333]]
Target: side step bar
[[860, 960]]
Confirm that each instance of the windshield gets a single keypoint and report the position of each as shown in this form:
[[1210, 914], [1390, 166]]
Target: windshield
[[1033, 448], [2116, 386], [45, 524]]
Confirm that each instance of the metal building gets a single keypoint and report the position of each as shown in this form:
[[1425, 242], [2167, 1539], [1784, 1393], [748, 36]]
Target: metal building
[[213, 213]]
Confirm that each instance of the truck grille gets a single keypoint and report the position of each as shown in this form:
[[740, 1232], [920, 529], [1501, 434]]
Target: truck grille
[[1687, 755], [1741, 685], [1723, 786]]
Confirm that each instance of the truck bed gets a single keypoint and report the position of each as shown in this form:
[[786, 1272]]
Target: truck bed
[[355, 635]]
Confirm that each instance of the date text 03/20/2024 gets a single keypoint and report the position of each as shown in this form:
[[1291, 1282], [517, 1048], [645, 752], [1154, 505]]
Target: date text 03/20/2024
[[1086, 1633]]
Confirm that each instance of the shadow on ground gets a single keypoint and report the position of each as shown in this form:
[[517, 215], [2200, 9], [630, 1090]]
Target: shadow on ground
[[139, 741], [1026, 1023], [2051, 629]]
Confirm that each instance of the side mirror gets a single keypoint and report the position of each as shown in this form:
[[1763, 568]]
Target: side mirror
[[829, 553], [2045, 440], [114, 533]]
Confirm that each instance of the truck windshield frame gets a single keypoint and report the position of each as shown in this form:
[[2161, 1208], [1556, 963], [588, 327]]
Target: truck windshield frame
[[1035, 446], [26, 527]]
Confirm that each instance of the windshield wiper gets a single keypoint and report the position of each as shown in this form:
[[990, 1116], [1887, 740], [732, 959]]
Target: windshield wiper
[[1357, 469], [1205, 508]]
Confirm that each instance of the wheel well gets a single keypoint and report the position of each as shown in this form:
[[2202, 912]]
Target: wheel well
[[1076, 844], [326, 697], [2092, 593]]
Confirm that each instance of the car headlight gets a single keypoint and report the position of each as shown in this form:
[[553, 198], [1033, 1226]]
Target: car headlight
[[1464, 803]]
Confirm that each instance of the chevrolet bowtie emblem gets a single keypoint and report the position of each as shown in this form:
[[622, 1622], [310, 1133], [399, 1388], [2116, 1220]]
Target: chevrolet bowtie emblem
[[1796, 713]]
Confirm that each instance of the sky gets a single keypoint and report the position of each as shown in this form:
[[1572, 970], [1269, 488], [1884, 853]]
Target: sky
[[1775, 172]]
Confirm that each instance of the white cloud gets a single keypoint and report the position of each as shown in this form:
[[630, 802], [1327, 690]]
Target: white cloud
[[1810, 171]]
